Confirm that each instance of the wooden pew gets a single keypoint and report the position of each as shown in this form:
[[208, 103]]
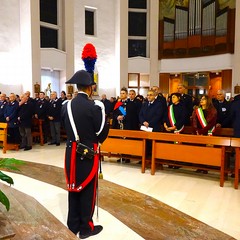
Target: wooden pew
[[224, 132], [210, 151], [3, 139], [37, 130], [132, 143], [235, 142], [193, 149]]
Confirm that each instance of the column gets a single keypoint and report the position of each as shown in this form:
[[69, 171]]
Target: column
[[236, 56], [153, 45]]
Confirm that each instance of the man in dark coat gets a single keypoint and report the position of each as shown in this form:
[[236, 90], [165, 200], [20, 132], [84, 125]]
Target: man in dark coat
[[3, 104], [82, 173], [223, 110], [133, 108], [119, 111], [187, 102], [107, 105], [152, 112], [235, 114], [151, 116], [54, 117], [11, 115], [25, 113], [41, 107]]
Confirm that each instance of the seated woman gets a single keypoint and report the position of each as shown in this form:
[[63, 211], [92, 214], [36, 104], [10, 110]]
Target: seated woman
[[204, 119]]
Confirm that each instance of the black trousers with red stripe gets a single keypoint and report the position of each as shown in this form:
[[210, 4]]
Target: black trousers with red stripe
[[81, 208]]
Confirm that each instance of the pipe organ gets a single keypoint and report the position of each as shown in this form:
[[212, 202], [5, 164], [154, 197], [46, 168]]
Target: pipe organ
[[168, 30], [181, 23], [198, 29], [195, 17], [221, 23], [209, 16]]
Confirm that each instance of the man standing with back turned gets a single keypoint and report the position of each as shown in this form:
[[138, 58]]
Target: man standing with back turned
[[82, 172]]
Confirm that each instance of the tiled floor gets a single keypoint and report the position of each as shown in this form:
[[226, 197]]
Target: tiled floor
[[192, 193]]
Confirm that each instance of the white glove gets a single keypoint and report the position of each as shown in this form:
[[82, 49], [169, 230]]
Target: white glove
[[101, 105]]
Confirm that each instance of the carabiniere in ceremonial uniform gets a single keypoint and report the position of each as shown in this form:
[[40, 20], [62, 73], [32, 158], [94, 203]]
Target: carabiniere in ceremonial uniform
[[82, 173]]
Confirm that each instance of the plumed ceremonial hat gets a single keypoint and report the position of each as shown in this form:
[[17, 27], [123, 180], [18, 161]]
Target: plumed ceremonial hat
[[82, 77]]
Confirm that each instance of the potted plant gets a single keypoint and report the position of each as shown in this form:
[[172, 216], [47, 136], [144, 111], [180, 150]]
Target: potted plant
[[8, 164]]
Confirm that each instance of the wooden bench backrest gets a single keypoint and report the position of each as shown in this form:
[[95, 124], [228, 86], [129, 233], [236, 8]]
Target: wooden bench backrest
[[3, 135], [235, 142], [3, 131], [227, 132], [127, 133], [125, 142], [191, 139], [186, 153]]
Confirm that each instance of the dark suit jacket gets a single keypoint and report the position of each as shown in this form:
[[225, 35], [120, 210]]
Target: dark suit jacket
[[54, 109], [25, 114], [132, 119], [223, 113], [11, 111], [41, 107], [153, 114], [235, 114]]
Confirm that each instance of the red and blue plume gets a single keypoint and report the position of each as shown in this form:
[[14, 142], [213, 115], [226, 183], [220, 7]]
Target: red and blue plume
[[89, 57]]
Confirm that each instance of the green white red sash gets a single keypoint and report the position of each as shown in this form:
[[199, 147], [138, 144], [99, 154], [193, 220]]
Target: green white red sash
[[172, 119], [203, 121]]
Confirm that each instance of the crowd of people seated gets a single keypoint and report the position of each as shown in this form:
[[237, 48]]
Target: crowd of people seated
[[153, 112]]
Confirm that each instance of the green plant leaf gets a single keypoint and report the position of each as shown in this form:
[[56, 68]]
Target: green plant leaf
[[6, 178], [7, 164], [4, 200], [10, 163]]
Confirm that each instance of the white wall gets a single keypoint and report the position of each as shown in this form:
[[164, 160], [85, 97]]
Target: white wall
[[217, 62], [10, 53], [104, 41]]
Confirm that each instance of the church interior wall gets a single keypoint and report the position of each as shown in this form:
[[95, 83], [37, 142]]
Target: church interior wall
[[104, 41]]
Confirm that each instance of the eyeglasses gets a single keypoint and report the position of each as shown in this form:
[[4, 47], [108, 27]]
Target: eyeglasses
[[149, 95]]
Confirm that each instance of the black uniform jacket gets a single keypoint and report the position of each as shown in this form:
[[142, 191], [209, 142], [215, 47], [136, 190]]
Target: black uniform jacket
[[235, 114], [41, 107], [25, 114], [88, 119]]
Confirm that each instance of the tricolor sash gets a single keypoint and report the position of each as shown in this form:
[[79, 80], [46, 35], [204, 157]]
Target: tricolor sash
[[203, 121], [172, 119]]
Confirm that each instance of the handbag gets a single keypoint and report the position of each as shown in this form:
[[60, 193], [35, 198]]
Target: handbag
[[83, 150]]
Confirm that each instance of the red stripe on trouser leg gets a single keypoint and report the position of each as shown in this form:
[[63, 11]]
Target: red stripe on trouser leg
[[96, 161], [91, 225]]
